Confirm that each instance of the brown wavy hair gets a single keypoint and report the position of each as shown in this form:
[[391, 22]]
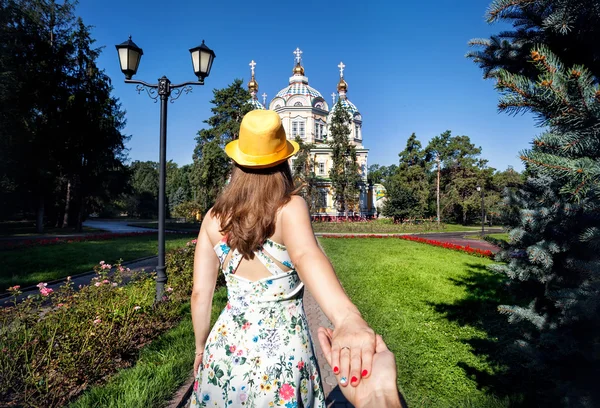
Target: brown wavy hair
[[248, 206]]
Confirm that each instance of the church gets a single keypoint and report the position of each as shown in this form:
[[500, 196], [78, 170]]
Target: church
[[305, 113]]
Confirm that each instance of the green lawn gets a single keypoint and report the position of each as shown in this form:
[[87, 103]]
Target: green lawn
[[386, 226], [27, 266], [27, 228], [436, 309], [163, 366]]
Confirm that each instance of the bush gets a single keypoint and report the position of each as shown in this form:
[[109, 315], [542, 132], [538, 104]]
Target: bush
[[55, 344], [190, 210]]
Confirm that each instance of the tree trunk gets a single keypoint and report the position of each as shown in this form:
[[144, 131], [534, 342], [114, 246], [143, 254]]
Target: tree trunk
[[40, 216], [65, 222]]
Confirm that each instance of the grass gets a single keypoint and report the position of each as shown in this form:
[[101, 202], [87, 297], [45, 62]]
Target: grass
[[436, 309], [27, 229], [27, 266], [163, 366], [169, 225], [386, 226], [501, 236]]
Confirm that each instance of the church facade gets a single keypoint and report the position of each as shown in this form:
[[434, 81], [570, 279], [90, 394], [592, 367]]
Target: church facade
[[306, 114]]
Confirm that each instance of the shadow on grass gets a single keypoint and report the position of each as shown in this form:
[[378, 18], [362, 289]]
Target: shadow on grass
[[485, 291]]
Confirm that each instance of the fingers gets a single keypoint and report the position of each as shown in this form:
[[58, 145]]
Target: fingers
[[344, 356], [367, 362], [355, 366], [380, 345], [325, 342]]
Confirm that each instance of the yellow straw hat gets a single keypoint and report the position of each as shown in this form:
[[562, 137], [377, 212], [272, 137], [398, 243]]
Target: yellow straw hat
[[262, 142]]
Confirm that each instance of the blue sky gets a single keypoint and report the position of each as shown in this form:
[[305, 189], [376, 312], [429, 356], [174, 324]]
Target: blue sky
[[405, 67]]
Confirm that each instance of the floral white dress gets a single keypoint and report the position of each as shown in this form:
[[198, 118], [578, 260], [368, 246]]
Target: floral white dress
[[259, 352]]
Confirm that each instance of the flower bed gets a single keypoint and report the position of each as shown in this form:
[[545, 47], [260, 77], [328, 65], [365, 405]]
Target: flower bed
[[483, 253], [57, 343]]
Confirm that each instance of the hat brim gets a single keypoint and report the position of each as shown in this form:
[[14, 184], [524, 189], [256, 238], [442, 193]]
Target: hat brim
[[258, 162]]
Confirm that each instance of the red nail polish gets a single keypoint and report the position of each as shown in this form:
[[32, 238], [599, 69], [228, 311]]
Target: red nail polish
[[336, 370], [354, 379], [364, 373]]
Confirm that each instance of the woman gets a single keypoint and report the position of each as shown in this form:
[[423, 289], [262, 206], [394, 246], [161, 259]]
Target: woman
[[259, 352]]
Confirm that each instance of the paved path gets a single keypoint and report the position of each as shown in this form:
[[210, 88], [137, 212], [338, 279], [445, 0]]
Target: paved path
[[459, 238], [115, 226]]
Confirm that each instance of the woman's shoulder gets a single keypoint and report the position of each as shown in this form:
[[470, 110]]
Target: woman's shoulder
[[295, 208], [212, 226]]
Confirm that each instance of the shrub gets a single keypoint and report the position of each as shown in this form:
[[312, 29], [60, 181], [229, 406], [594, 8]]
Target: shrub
[[55, 344], [190, 210]]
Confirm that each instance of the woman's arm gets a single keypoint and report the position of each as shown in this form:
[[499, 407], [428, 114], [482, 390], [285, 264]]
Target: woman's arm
[[206, 269], [353, 342]]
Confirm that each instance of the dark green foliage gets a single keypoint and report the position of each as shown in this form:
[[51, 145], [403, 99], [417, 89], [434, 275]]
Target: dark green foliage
[[61, 146], [412, 173], [553, 257], [569, 28], [344, 172], [378, 174], [462, 170], [401, 202], [211, 166], [303, 170]]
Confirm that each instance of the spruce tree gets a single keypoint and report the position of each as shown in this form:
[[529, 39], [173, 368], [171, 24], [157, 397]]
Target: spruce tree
[[412, 173], [303, 170], [553, 254], [211, 166], [344, 172]]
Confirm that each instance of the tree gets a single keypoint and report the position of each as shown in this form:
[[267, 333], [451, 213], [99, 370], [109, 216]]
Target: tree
[[143, 201], [303, 169], [379, 174], [412, 173], [211, 165], [460, 172], [344, 172], [554, 220], [400, 201], [569, 28]]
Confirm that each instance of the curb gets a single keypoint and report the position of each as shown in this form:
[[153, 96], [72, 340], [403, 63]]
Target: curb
[[79, 275], [182, 395]]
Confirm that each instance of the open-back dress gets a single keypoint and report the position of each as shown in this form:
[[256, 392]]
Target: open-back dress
[[259, 353]]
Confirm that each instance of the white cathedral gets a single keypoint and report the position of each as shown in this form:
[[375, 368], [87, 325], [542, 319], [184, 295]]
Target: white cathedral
[[305, 113]]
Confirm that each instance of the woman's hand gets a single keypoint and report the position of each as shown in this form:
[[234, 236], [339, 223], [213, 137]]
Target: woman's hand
[[352, 349], [380, 389], [198, 363]]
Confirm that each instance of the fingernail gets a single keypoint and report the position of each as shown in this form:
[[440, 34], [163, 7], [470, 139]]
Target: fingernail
[[354, 379], [343, 380], [364, 373], [336, 370]]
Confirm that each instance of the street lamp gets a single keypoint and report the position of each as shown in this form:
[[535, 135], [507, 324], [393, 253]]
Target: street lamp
[[480, 189], [129, 58]]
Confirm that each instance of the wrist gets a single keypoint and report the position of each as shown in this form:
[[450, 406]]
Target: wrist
[[344, 315], [380, 398]]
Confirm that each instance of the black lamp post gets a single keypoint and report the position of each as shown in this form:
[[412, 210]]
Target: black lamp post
[[129, 58], [480, 189]]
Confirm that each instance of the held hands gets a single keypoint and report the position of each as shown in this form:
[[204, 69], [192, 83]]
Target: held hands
[[198, 362], [352, 349], [379, 389]]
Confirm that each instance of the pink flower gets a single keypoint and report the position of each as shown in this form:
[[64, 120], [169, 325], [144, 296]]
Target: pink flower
[[68, 279], [105, 281], [106, 266], [41, 285], [46, 291], [231, 349], [114, 284], [196, 385], [169, 289], [98, 284], [80, 286], [60, 305], [97, 321], [137, 308], [300, 365], [14, 288], [101, 262], [286, 391], [240, 352], [121, 269], [246, 326]]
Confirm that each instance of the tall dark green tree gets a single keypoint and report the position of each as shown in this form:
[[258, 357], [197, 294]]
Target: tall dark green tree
[[303, 169], [460, 174], [211, 165], [412, 174], [569, 28], [553, 256], [344, 172]]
